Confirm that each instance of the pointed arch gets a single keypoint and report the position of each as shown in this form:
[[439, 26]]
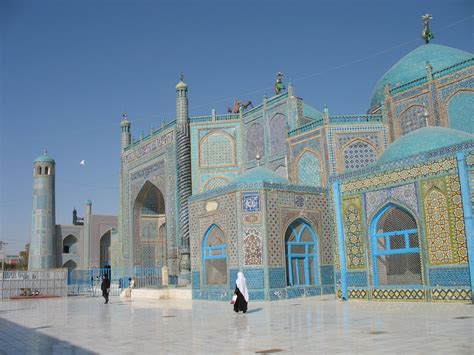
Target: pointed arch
[[215, 183], [149, 212], [70, 244], [255, 141], [217, 149], [278, 133], [412, 118], [70, 265], [214, 254], [105, 249], [395, 245], [459, 108], [301, 250], [358, 153], [308, 168]]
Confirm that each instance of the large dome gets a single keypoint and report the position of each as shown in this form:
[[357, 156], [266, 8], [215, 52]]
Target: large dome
[[413, 66], [423, 140]]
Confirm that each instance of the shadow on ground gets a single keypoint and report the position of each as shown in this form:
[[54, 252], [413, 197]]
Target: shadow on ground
[[17, 339]]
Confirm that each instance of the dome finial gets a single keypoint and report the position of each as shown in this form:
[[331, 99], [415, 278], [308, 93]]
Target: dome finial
[[258, 157], [427, 35]]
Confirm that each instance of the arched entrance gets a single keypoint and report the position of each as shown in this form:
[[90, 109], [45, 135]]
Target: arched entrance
[[71, 266], [150, 241], [214, 257], [395, 245], [301, 245], [105, 250], [70, 244]]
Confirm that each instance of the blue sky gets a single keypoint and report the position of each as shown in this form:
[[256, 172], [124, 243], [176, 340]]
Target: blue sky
[[69, 69]]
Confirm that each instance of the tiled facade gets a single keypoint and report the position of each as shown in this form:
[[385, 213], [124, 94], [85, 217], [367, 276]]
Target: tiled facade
[[304, 152]]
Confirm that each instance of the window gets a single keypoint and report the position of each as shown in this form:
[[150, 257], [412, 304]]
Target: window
[[395, 248], [214, 257], [301, 254]]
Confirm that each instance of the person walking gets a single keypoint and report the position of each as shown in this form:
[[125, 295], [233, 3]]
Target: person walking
[[105, 287], [242, 293], [131, 285]]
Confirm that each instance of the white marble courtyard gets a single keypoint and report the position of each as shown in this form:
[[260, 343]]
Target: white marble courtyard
[[79, 325]]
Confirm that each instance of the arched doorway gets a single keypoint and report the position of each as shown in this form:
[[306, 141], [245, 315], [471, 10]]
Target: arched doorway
[[214, 257], [150, 241], [70, 265], [70, 244], [301, 245], [395, 245], [105, 250]]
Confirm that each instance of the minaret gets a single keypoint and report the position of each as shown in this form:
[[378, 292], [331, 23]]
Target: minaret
[[126, 135], [43, 225], [86, 259], [183, 155]]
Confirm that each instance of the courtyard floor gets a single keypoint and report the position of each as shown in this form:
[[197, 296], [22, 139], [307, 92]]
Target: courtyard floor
[[79, 325]]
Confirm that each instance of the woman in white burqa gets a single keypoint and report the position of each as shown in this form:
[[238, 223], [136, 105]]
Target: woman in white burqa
[[242, 293]]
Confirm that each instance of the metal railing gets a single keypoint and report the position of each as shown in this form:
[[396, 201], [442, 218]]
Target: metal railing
[[33, 283]]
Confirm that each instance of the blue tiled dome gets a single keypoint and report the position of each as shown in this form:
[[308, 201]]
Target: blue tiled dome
[[44, 158], [259, 174], [413, 66], [423, 140]]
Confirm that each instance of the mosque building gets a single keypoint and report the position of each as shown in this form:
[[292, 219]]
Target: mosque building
[[374, 206]]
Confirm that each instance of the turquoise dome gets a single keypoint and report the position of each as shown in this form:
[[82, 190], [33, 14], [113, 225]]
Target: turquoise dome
[[259, 174], [423, 140], [413, 66], [44, 158]]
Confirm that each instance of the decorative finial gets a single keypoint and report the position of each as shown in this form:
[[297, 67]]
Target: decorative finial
[[258, 157], [279, 87], [163, 122], [124, 116], [45, 151], [427, 35], [181, 77]]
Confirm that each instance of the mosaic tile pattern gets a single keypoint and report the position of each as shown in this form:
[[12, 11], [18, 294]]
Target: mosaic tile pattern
[[460, 111], [437, 228], [253, 247], [277, 133], [400, 175], [277, 277], [412, 119], [354, 244], [357, 278], [255, 141], [232, 278], [215, 183], [360, 294], [358, 155], [308, 169], [456, 220], [195, 280], [327, 275], [250, 202], [254, 278], [449, 276], [399, 294], [450, 294], [406, 194], [217, 149]]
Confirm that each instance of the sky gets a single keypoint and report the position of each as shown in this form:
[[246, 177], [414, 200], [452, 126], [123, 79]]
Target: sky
[[70, 69]]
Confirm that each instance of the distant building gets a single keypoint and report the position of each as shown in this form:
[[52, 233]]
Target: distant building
[[83, 244]]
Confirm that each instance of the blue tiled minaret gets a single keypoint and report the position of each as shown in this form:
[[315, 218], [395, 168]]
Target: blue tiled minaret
[[43, 223], [183, 155]]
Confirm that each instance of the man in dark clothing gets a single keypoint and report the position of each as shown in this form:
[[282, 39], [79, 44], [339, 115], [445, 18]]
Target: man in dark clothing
[[105, 287]]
